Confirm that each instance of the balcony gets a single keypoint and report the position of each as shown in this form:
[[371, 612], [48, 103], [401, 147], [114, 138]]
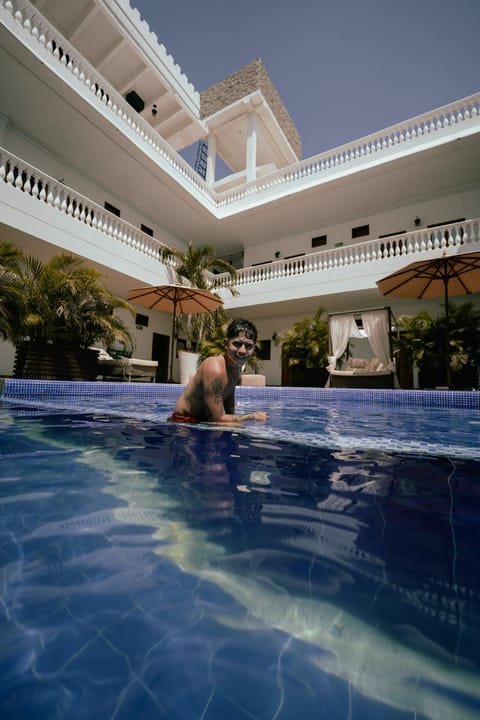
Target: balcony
[[63, 66], [111, 242]]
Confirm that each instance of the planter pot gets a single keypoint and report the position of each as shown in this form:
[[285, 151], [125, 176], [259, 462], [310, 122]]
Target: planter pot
[[301, 376], [250, 379], [188, 363], [55, 362]]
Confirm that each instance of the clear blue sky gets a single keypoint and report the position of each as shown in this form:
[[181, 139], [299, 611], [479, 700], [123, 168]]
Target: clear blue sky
[[343, 68]]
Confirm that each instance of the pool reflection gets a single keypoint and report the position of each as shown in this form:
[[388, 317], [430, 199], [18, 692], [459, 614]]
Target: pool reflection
[[206, 573]]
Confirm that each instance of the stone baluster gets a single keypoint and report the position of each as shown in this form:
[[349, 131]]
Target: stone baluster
[[10, 176]]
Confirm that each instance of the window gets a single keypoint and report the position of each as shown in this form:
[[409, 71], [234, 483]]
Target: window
[[264, 351], [111, 208], [360, 231], [319, 241], [146, 230], [446, 222], [136, 102], [141, 320]]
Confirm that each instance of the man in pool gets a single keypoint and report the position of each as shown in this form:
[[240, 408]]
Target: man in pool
[[209, 395]]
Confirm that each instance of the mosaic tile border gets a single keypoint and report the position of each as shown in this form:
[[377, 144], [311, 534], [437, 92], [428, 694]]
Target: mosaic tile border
[[37, 397], [81, 391]]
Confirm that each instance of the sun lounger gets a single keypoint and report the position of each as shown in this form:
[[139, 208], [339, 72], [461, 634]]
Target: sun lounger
[[125, 368]]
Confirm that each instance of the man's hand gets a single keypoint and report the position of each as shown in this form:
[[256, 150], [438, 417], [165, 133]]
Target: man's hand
[[260, 416]]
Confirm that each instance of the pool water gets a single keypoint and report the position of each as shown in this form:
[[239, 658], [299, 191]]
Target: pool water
[[323, 565]]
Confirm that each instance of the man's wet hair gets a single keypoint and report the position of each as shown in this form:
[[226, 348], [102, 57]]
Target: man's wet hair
[[245, 326]]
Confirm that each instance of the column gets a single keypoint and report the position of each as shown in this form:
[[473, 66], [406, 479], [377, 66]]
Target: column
[[251, 147], [211, 158]]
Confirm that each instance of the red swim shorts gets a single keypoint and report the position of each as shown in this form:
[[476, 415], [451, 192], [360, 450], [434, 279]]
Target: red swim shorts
[[179, 418]]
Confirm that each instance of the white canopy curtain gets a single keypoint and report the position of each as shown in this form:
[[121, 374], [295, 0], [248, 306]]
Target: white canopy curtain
[[376, 327], [342, 328], [376, 324]]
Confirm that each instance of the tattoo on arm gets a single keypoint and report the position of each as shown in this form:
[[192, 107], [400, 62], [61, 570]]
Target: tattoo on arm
[[217, 390]]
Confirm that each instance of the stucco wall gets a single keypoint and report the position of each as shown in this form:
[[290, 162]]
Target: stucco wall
[[430, 211]]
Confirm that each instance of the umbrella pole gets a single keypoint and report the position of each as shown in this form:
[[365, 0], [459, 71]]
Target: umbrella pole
[[447, 333], [174, 320]]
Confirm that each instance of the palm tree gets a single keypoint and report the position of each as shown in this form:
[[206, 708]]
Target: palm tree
[[305, 350], [420, 343], [9, 256], [59, 301], [194, 264]]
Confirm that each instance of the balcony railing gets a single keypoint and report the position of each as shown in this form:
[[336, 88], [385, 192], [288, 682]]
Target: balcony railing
[[27, 179], [25, 18], [444, 236], [38, 185], [319, 167]]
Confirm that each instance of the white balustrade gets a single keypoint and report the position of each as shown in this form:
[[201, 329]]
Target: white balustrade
[[446, 236], [310, 170], [27, 179], [46, 35], [401, 134]]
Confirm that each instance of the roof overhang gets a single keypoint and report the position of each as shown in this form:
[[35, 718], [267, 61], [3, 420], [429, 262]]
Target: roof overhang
[[229, 126]]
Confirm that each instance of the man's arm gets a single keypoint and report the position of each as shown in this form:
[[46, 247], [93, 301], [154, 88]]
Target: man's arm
[[214, 385], [217, 409]]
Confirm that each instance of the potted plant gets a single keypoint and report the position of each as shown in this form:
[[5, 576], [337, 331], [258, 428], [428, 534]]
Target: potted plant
[[420, 342], [194, 265], [305, 352], [53, 312]]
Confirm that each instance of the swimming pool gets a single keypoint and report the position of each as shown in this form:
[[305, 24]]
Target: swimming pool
[[323, 565]]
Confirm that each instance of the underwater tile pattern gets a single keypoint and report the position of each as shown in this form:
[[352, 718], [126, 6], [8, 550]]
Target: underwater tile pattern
[[284, 570]]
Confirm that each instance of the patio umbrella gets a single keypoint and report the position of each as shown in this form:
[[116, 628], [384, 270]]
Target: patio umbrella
[[439, 277], [177, 299]]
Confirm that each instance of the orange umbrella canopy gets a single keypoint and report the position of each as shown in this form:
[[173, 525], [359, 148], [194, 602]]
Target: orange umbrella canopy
[[177, 299], [439, 277]]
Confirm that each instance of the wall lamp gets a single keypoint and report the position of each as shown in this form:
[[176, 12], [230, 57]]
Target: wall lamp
[[154, 110], [417, 221]]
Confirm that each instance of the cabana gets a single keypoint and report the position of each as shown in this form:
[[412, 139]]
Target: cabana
[[377, 371]]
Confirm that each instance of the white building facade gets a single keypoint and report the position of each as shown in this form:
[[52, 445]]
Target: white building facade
[[94, 115]]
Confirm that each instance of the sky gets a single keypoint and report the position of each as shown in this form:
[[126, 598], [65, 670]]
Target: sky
[[343, 68]]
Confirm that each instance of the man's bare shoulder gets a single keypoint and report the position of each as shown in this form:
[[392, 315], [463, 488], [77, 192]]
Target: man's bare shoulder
[[213, 365], [213, 375]]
